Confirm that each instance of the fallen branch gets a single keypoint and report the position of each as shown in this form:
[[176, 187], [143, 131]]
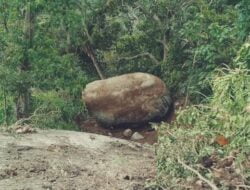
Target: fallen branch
[[35, 114], [21, 121], [213, 186]]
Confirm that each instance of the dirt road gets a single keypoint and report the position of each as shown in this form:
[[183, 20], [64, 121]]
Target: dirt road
[[66, 160]]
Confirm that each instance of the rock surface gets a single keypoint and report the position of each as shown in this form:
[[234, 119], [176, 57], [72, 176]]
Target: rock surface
[[68, 160], [127, 99], [127, 133], [136, 136]]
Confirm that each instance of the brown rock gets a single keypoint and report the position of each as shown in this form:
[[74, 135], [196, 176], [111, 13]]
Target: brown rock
[[127, 133], [129, 98]]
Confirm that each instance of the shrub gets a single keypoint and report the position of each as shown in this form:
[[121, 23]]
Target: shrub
[[7, 114], [214, 132], [57, 110]]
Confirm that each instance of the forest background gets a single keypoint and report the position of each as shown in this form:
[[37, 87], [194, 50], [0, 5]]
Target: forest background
[[49, 51]]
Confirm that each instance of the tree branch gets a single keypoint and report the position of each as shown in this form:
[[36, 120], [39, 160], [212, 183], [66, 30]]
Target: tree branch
[[165, 47], [157, 19], [213, 186], [35, 114], [90, 52]]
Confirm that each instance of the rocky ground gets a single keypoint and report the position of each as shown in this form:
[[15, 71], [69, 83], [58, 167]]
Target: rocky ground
[[149, 135], [67, 160]]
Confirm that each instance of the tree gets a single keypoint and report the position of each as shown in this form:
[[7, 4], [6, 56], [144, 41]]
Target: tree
[[61, 45], [17, 41]]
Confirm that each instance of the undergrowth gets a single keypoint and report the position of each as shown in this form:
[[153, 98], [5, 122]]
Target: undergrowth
[[56, 110], [208, 146]]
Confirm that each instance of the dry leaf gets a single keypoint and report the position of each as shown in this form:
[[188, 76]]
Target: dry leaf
[[221, 140]]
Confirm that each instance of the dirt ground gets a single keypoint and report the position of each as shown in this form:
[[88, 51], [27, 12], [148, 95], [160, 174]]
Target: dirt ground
[[149, 134], [67, 160]]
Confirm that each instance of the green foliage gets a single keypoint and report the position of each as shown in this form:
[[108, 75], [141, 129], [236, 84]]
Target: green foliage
[[181, 41], [244, 18], [193, 135], [7, 112], [56, 109], [243, 56], [231, 91], [46, 59], [211, 41]]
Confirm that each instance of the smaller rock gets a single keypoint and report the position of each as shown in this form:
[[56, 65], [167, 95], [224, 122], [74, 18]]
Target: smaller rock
[[199, 183], [127, 177], [127, 133], [110, 134], [207, 162], [136, 136], [92, 137]]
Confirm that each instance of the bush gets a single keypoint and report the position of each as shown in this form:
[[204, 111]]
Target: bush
[[57, 110], [214, 132], [7, 114]]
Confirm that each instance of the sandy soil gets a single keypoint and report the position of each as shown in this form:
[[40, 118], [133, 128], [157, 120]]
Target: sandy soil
[[67, 160]]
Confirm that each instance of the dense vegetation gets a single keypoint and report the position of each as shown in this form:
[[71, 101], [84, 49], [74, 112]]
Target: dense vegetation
[[49, 50], [212, 138]]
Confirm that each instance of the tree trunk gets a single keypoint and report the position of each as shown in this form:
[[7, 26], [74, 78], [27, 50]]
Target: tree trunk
[[5, 106], [165, 49], [23, 104], [23, 99], [90, 52]]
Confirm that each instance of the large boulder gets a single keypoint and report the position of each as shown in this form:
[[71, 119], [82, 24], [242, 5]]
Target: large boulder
[[130, 98]]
